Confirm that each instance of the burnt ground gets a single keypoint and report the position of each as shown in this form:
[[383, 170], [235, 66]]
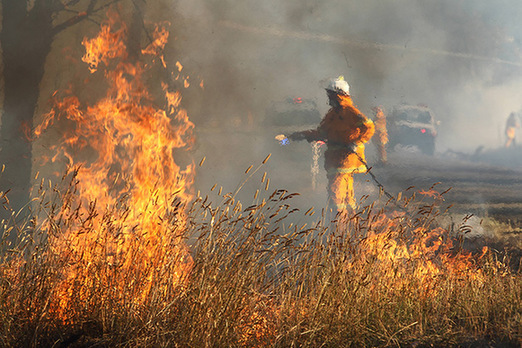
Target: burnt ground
[[476, 186]]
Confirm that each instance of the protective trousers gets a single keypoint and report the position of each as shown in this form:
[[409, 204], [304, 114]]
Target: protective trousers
[[341, 196]]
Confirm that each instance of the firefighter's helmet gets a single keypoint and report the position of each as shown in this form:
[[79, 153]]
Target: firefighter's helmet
[[339, 86]]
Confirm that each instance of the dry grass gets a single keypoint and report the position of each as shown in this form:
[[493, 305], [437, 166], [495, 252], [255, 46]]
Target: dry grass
[[226, 275]]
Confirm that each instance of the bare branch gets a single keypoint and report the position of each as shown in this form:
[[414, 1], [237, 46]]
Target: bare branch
[[91, 5], [137, 8], [82, 15], [71, 2], [94, 21]]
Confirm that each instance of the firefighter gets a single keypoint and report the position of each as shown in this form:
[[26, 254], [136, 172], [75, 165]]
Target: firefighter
[[512, 123], [381, 140], [344, 129]]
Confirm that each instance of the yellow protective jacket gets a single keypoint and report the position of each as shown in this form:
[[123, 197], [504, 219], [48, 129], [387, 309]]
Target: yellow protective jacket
[[340, 128]]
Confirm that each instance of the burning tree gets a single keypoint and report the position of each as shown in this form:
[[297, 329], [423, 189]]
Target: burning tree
[[29, 28], [131, 193]]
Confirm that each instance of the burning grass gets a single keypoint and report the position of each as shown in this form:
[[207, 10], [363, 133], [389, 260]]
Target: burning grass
[[231, 275], [120, 253]]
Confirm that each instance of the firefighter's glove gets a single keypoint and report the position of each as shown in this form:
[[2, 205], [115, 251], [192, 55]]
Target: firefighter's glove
[[283, 140]]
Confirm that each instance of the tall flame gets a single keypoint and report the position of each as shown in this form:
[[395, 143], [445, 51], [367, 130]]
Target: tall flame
[[122, 148]]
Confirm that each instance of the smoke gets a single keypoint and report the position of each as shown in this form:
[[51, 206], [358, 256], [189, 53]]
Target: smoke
[[461, 58]]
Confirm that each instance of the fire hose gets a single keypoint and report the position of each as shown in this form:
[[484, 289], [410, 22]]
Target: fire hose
[[378, 183]]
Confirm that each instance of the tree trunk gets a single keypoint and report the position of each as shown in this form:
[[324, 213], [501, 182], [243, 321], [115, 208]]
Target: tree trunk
[[135, 31], [26, 39]]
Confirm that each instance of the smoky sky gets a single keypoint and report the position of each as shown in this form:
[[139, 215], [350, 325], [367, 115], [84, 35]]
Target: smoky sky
[[459, 57]]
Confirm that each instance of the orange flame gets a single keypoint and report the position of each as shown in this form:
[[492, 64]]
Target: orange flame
[[123, 148], [424, 256]]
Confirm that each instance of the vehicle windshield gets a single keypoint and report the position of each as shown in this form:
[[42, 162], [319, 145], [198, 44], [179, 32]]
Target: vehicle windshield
[[424, 117], [415, 116]]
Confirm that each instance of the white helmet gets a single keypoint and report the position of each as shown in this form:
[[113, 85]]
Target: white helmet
[[339, 86]]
